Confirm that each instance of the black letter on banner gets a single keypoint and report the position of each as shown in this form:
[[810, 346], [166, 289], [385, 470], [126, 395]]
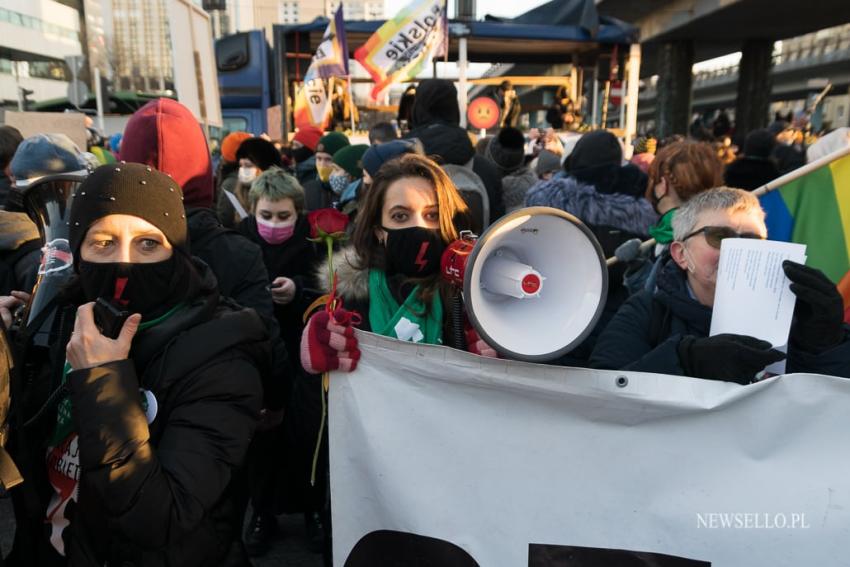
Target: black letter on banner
[[544, 555], [386, 547], [405, 41]]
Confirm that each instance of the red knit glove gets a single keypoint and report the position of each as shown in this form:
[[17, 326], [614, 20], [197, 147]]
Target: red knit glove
[[476, 345], [329, 343]]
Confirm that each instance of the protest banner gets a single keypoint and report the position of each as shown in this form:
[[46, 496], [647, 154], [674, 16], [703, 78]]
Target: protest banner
[[464, 460]]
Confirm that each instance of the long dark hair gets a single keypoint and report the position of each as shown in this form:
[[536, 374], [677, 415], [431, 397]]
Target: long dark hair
[[452, 208]]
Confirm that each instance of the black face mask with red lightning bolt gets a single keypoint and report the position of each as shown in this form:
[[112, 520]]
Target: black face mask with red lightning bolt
[[414, 252], [140, 288]]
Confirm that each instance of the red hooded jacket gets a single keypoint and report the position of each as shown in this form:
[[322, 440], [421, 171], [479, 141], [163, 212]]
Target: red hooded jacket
[[164, 134]]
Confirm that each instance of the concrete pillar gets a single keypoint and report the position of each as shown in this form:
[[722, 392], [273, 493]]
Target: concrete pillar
[[675, 77], [754, 85]]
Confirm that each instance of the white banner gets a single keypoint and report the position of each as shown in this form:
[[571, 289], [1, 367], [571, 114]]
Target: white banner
[[514, 464]]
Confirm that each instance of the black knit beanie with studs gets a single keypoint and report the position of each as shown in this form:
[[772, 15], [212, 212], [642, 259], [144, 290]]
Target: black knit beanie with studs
[[129, 189]]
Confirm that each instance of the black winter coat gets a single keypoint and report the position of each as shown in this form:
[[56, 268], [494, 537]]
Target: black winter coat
[[162, 493], [294, 259], [318, 195], [750, 173], [644, 335], [238, 266], [236, 262], [451, 144]]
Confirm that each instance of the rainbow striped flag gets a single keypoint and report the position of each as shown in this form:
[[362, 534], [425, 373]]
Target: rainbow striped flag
[[399, 48], [815, 210]]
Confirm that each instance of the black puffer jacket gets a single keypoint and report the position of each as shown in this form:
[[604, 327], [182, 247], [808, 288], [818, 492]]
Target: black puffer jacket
[[237, 264], [20, 252], [294, 259], [318, 195], [161, 493], [644, 335]]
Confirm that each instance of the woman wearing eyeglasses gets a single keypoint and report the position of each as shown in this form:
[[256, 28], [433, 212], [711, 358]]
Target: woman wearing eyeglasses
[[666, 330]]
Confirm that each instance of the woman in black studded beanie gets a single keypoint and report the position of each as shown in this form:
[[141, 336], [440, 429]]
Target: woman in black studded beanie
[[145, 432]]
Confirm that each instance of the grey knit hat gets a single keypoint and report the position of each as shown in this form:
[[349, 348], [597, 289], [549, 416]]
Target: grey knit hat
[[547, 162]]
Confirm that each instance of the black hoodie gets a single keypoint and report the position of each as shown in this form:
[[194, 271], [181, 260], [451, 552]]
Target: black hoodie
[[435, 123]]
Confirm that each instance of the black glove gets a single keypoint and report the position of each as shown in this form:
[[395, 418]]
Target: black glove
[[819, 315], [731, 358]]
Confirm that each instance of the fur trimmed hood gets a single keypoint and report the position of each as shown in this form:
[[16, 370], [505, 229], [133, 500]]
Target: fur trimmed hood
[[352, 280]]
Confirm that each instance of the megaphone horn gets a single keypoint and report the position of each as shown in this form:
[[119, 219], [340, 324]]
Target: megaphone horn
[[534, 284]]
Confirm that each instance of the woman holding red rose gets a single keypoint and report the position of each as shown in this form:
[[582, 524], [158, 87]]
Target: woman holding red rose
[[390, 275]]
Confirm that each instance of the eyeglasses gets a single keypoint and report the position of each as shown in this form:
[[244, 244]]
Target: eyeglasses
[[714, 235]]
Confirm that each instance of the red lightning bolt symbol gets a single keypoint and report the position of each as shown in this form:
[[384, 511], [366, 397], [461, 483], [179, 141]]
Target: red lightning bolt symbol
[[420, 258]]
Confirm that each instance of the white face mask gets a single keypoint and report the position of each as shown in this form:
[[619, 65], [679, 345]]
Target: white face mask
[[247, 174]]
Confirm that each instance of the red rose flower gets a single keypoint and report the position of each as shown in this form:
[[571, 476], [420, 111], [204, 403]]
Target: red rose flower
[[327, 222]]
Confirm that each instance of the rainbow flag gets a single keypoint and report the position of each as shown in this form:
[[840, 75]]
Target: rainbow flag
[[815, 210], [399, 48]]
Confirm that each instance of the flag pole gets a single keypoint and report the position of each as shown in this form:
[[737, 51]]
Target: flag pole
[[351, 102], [801, 171], [763, 190]]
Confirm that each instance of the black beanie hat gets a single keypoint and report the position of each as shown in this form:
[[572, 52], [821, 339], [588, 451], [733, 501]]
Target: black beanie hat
[[594, 149], [129, 189], [759, 143], [261, 152], [507, 150]]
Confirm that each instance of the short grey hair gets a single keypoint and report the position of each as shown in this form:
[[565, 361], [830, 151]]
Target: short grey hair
[[717, 199]]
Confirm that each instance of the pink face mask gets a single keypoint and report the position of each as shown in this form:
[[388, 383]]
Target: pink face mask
[[275, 233]]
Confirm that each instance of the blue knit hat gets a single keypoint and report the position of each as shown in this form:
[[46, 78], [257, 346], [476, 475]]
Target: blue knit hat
[[379, 154]]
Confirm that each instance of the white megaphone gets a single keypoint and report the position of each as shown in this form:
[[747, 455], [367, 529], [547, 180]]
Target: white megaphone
[[534, 284]]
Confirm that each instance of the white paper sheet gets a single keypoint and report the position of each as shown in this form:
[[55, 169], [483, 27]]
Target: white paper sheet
[[240, 210], [753, 296]]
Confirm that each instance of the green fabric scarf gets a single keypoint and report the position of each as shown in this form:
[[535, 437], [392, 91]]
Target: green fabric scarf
[[389, 319], [662, 232]]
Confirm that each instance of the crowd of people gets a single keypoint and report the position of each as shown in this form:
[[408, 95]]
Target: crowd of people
[[146, 441]]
